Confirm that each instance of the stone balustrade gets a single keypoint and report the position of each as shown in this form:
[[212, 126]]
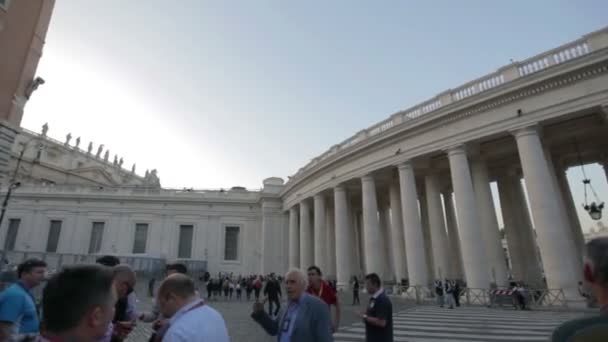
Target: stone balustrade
[[516, 70]]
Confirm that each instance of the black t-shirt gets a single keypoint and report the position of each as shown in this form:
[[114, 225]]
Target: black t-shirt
[[382, 308]]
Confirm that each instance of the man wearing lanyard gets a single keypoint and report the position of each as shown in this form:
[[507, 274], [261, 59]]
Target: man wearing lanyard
[[191, 320], [18, 314], [378, 318], [595, 273], [321, 289], [306, 319]]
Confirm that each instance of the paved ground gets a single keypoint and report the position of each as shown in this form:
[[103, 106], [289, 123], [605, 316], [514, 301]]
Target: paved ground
[[412, 323], [433, 324]]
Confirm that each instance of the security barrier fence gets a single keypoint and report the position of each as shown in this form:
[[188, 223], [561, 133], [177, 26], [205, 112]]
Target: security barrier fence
[[489, 297]]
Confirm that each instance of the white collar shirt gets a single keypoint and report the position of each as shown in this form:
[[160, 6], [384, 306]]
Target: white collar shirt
[[379, 292], [197, 324]]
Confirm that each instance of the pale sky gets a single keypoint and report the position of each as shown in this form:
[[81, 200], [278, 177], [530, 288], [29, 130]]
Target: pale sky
[[216, 94]]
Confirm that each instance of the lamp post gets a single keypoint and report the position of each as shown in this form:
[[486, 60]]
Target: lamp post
[[13, 184]]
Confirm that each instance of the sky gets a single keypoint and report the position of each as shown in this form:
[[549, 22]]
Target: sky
[[215, 94]]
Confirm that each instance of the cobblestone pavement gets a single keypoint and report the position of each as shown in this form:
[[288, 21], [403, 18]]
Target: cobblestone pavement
[[412, 323], [240, 325]]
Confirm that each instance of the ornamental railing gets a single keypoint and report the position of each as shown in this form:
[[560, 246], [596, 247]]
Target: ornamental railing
[[589, 43]]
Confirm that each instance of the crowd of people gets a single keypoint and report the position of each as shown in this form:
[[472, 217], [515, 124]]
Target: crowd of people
[[97, 303]]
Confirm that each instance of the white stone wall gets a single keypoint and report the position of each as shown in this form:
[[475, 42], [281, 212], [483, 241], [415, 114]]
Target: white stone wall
[[257, 253]]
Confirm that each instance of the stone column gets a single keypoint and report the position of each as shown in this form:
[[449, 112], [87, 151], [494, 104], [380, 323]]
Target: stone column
[[426, 233], [457, 270], [517, 253], [320, 246], [532, 263], [570, 210], [489, 224], [437, 227], [414, 241], [557, 249], [344, 256], [294, 239], [371, 231], [306, 251], [397, 237], [331, 242], [384, 225], [473, 254]]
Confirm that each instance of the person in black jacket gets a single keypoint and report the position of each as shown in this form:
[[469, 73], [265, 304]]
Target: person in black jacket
[[378, 318], [273, 292]]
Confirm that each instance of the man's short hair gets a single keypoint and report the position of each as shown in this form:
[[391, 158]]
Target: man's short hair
[[28, 265], [177, 267], [302, 278], [108, 260], [316, 269], [374, 279], [597, 252], [72, 292], [180, 285]]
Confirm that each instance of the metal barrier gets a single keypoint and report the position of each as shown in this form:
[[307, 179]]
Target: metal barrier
[[548, 298], [142, 265], [423, 295]]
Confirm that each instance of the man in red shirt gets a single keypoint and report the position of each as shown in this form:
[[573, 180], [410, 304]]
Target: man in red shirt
[[320, 288]]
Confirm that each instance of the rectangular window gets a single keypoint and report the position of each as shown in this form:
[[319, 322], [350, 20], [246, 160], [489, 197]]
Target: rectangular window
[[96, 237], [186, 233], [11, 235], [53, 240], [141, 237], [231, 243]]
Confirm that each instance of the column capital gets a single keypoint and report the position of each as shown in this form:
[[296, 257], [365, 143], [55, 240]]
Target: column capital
[[405, 164], [456, 150], [318, 196], [339, 188], [533, 129], [367, 178]]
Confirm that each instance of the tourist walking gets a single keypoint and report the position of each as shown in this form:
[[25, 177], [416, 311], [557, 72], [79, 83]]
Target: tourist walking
[[378, 318], [456, 293], [449, 294], [78, 304], [151, 286], [272, 291], [238, 291], [18, 314], [595, 273], [249, 288], [439, 292], [324, 291], [356, 291], [230, 289], [257, 287], [191, 319], [306, 318]]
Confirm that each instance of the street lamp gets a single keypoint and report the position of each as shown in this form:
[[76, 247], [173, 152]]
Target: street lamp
[[595, 210], [13, 184]]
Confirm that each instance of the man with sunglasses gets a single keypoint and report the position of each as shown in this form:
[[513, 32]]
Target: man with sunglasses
[[18, 314]]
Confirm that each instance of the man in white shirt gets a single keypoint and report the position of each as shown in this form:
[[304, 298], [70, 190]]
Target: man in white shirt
[[191, 319]]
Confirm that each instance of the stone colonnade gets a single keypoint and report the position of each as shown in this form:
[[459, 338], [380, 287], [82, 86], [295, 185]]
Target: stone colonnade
[[459, 226]]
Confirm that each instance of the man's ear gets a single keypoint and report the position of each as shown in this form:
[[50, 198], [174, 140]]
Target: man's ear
[[588, 273], [95, 317]]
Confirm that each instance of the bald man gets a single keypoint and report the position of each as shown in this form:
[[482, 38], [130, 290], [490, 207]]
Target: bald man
[[191, 320], [306, 319]]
